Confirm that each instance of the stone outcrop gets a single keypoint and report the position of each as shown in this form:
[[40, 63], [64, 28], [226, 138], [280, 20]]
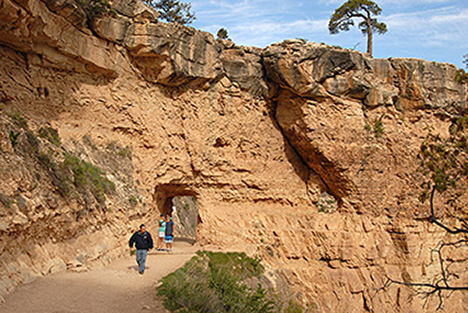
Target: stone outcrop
[[319, 85], [301, 153]]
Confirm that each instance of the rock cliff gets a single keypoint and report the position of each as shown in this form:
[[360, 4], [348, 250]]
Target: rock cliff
[[302, 153]]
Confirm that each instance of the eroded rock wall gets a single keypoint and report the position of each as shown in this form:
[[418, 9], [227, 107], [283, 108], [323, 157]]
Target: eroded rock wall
[[301, 153]]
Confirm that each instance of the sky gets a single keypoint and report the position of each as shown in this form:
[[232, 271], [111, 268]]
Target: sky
[[435, 30]]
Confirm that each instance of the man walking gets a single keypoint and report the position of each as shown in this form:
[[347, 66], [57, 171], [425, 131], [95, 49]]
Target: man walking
[[143, 243]]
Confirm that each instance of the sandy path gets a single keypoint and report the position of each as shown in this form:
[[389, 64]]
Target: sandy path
[[114, 288]]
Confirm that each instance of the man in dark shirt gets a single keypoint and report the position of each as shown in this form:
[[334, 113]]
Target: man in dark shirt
[[169, 234], [143, 243]]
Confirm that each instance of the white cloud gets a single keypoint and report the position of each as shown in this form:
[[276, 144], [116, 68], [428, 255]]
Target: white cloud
[[258, 22], [263, 33], [435, 27], [416, 27]]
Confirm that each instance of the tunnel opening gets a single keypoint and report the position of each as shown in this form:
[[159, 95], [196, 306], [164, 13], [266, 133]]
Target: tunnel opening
[[180, 203], [184, 212]]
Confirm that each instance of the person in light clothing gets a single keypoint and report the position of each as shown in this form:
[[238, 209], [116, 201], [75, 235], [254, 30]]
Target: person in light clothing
[[162, 232]]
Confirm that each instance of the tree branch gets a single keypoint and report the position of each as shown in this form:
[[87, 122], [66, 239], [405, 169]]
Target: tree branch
[[440, 285], [433, 219], [435, 287], [358, 15]]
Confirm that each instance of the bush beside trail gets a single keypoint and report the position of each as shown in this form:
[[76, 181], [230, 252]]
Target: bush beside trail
[[221, 282]]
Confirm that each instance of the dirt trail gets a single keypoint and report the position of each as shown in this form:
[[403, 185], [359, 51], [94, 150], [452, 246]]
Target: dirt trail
[[114, 288]]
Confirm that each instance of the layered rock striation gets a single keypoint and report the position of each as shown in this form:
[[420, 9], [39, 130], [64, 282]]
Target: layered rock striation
[[302, 153]]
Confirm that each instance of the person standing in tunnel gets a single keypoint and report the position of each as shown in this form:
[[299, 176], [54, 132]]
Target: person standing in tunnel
[[169, 233], [143, 243], [162, 232]]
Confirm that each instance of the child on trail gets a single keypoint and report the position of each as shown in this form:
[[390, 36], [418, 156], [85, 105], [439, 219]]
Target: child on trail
[[162, 232]]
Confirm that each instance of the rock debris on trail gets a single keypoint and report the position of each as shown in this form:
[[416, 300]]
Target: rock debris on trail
[[114, 288]]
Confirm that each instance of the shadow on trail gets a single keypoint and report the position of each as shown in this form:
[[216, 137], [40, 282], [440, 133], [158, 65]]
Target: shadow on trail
[[135, 267]]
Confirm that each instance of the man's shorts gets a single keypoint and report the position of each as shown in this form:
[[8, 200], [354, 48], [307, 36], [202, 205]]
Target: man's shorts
[[169, 239], [162, 234]]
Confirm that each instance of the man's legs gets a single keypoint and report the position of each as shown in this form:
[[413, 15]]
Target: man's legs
[[169, 239], [141, 260]]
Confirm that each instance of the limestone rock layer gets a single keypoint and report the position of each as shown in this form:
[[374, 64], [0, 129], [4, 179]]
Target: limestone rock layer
[[301, 153]]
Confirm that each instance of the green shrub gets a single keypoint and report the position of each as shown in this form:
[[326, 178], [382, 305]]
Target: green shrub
[[125, 152], [30, 146], [13, 137], [215, 282], [378, 127], [97, 8], [133, 201], [461, 76], [293, 307], [422, 67], [50, 135], [46, 160], [87, 176], [18, 120], [188, 289], [223, 34], [241, 264]]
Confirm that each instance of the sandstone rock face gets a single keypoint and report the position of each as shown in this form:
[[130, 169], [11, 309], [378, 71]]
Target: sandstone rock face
[[185, 217], [172, 55], [301, 153], [329, 104], [244, 67]]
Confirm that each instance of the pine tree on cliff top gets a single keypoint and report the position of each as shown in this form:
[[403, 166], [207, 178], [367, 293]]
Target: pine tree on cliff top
[[366, 10], [173, 11], [223, 34]]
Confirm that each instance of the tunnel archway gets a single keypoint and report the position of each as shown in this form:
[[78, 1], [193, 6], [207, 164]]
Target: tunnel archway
[[180, 202], [186, 217]]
